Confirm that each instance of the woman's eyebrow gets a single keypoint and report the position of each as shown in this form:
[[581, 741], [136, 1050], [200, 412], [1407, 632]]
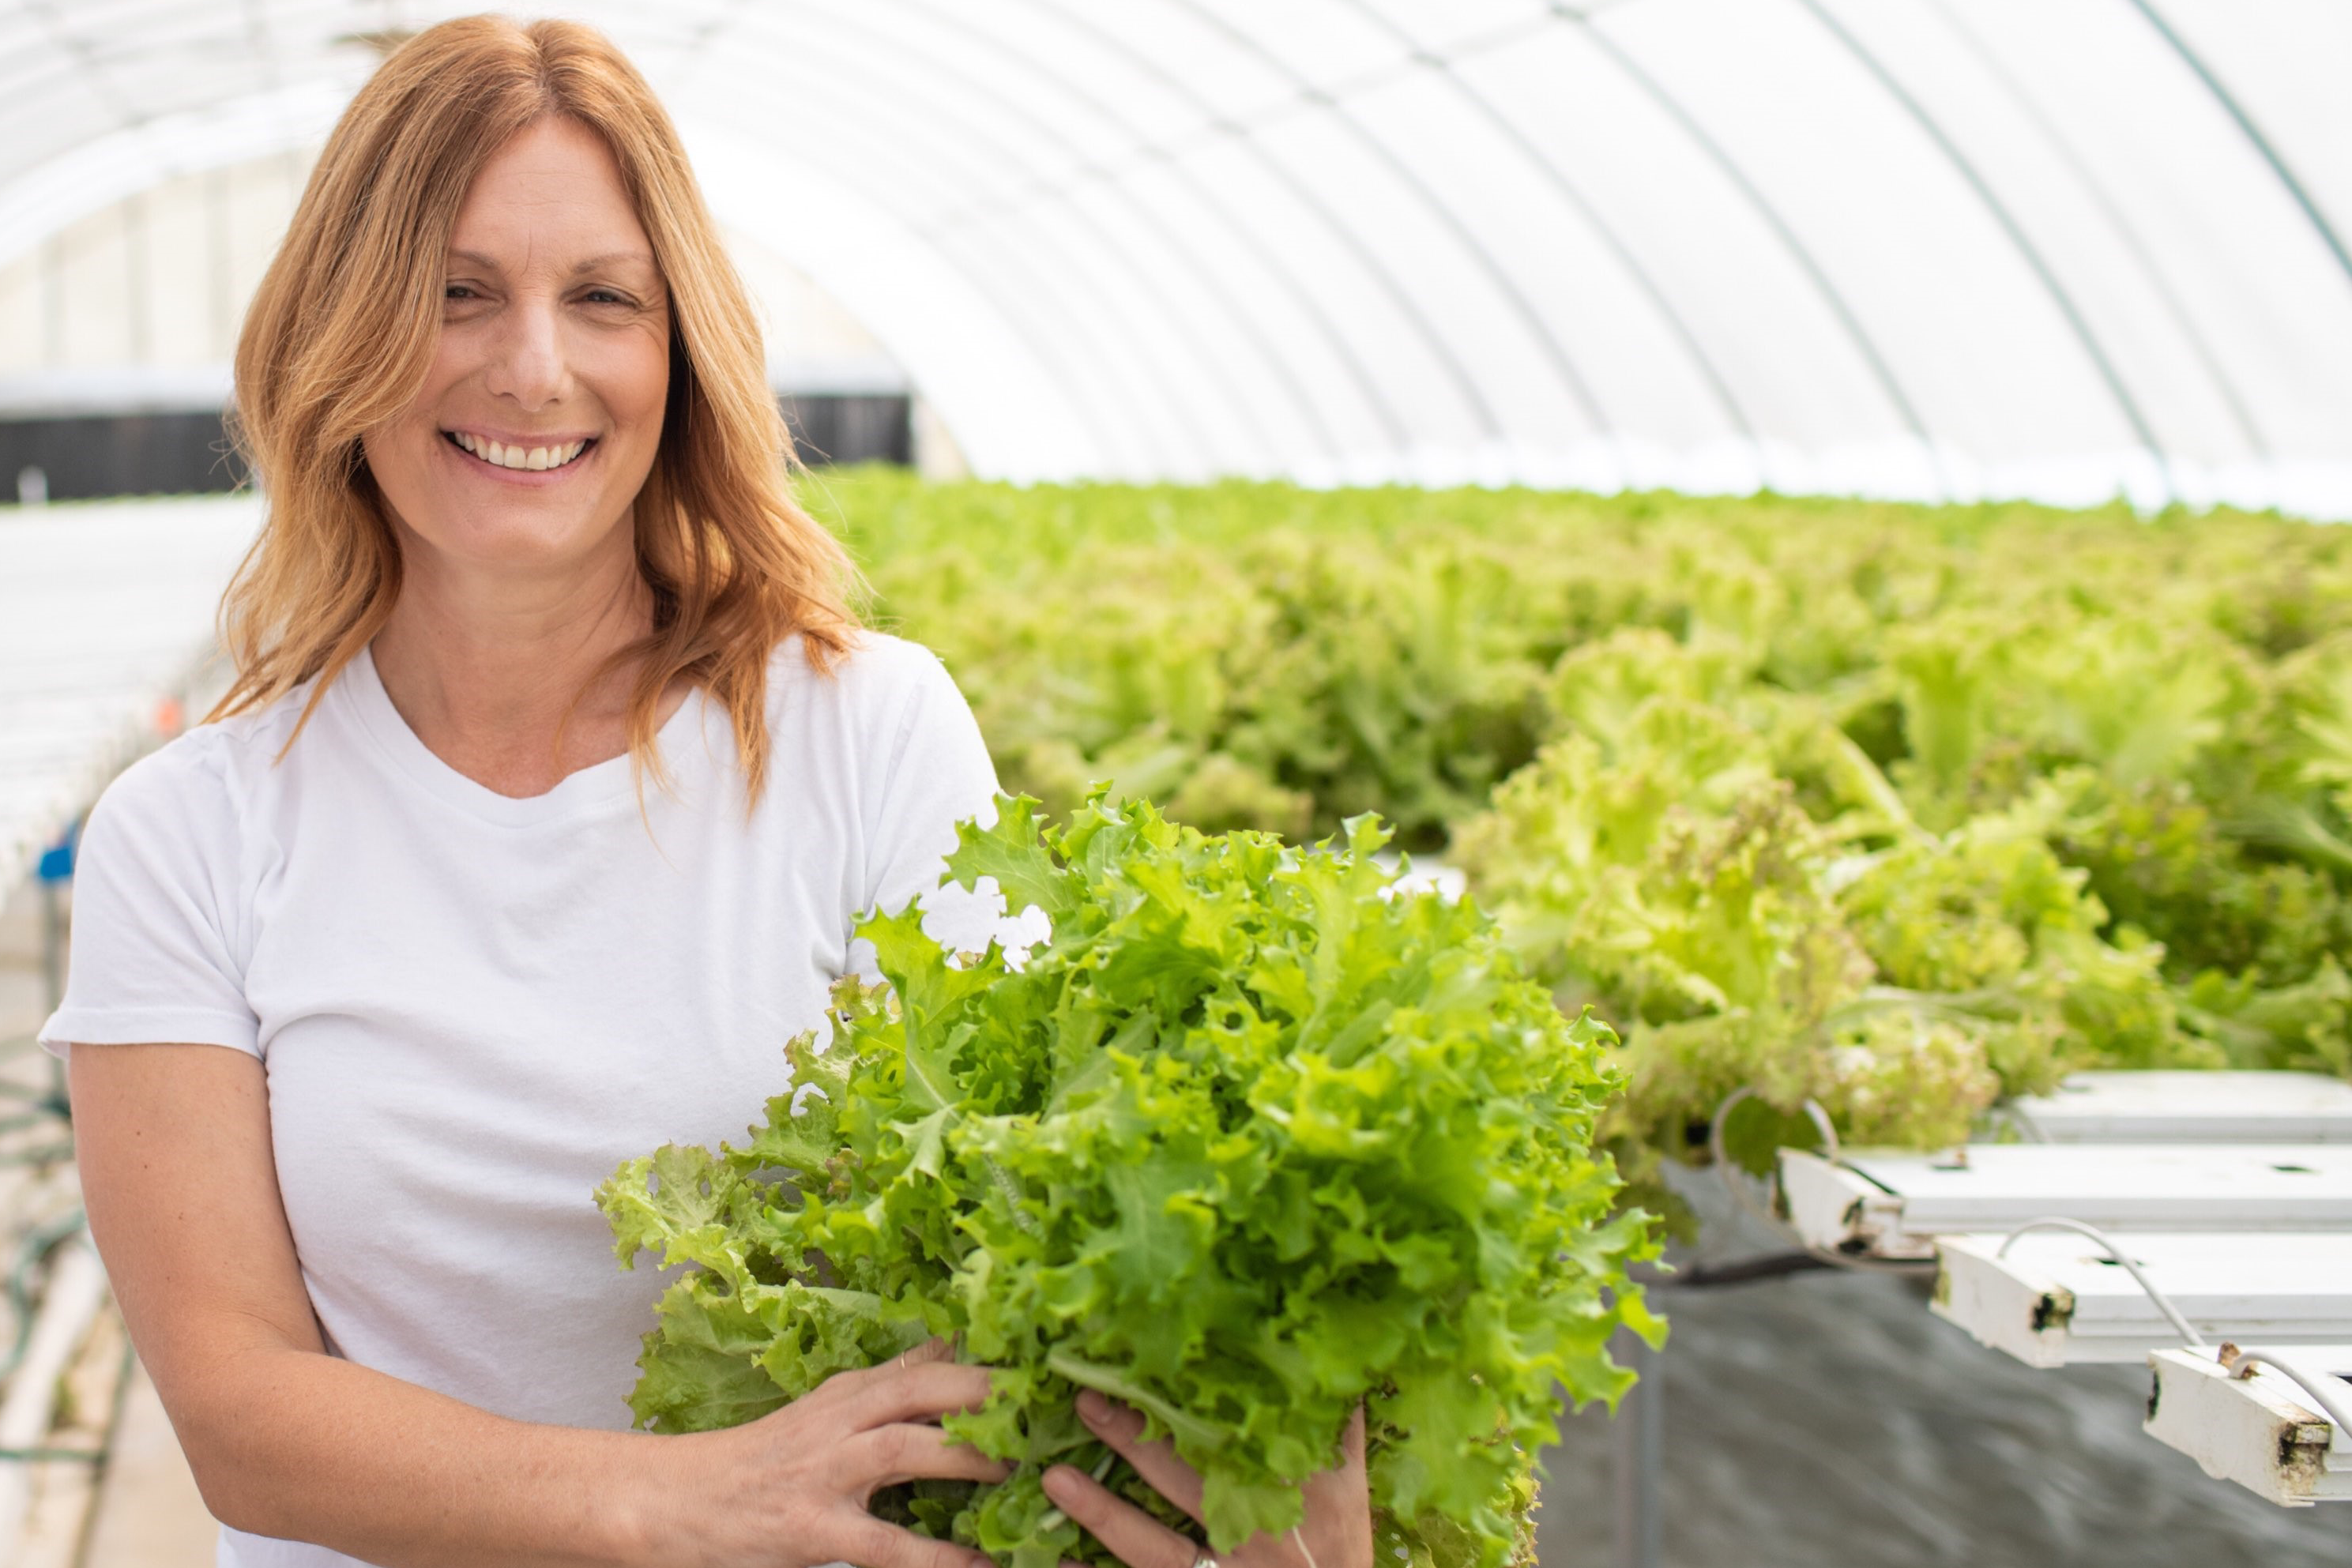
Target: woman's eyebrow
[[612, 258], [491, 264]]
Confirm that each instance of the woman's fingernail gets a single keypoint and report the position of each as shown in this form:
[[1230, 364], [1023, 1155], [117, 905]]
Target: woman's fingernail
[[1093, 1408], [1056, 1483]]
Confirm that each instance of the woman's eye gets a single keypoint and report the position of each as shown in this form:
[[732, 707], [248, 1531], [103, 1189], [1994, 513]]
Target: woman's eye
[[457, 291], [604, 297]]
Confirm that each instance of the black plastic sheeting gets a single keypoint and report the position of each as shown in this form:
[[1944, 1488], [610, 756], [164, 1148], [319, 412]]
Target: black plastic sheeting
[[86, 456], [83, 456], [851, 427], [1827, 1420]]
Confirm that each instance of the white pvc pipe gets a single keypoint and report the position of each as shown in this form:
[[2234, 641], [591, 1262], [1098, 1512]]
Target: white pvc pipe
[[77, 1290]]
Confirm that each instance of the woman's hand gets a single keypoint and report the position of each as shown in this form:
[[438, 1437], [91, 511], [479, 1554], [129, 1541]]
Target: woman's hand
[[798, 1481], [1335, 1533]]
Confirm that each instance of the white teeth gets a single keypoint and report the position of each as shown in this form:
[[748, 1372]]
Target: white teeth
[[532, 459]]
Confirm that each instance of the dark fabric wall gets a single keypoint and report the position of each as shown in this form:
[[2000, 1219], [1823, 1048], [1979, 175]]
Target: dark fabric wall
[[844, 429], [87, 455], [119, 455]]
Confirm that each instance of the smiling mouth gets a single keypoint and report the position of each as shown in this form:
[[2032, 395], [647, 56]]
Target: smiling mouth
[[521, 459]]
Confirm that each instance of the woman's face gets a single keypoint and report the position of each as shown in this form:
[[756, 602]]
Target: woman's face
[[539, 420]]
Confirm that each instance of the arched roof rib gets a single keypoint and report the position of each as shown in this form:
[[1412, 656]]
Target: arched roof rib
[[96, 173], [1782, 230], [2128, 233], [1011, 285], [1409, 309], [2258, 295], [1568, 192], [2237, 112], [1234, 328], [1057, 273], [1430, 199], [2027, 250], [2055, 247], [1211, 119], [1296, 291], [1238, 317], [1085, 375], [1130, 262], [1011, 399]]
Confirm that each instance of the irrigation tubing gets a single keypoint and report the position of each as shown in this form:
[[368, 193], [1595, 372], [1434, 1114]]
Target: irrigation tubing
[[2116, 1255]]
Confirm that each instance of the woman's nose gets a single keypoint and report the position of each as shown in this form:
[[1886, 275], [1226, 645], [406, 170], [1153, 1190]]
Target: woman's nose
[[526, 360]]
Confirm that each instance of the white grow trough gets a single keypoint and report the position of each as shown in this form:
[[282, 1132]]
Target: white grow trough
[[2054, 1298], [2188, 1108], [2261, 1432], [1894, 1205]]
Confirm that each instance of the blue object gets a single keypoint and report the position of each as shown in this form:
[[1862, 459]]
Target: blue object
[[58, 860]]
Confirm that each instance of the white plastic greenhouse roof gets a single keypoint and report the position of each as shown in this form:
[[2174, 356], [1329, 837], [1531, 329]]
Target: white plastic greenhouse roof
[[1917, 247]]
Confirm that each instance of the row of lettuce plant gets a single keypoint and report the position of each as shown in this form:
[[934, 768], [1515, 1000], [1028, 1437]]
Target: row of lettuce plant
[[1898, 807]]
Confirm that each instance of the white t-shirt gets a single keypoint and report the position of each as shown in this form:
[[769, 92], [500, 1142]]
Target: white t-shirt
[[471, 1008]]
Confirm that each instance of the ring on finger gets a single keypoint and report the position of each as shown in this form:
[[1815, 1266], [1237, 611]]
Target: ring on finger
[[1204, 1560]]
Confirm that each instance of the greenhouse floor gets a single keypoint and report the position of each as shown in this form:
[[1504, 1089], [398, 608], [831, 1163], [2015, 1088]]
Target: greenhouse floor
[[1826, 1420]]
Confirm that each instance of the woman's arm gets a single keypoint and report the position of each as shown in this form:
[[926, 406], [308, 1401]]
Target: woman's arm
[[285, 1440]]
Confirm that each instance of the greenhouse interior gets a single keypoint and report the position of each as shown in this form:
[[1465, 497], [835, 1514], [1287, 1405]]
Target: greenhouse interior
[[1631, 843]]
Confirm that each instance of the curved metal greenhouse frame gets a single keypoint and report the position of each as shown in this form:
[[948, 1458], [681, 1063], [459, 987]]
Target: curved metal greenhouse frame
[[2053, 248]]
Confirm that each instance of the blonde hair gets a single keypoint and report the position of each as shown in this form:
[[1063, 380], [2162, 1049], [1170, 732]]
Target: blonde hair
[[343, 331]]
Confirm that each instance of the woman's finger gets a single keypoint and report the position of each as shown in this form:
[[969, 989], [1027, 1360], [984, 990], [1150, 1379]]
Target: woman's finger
[[1344, 1484], [888, 1455], [843, 1387], [924, 1391], [1338, 1505], [840, 1385], [1156, 1462], [1133, 1536]]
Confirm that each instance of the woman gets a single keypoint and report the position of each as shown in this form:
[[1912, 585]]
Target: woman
[[554, 771]]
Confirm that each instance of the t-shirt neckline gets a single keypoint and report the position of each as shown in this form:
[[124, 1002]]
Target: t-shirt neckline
[[590, 791]]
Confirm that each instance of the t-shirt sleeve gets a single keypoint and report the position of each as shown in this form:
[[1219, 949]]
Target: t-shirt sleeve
[[154, 946], [938, 774]]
